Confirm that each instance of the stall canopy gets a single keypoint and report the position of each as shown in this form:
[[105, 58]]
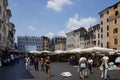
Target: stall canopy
[[35, 52], [75, 50], [98, 49], [58, 52], [46, 51]]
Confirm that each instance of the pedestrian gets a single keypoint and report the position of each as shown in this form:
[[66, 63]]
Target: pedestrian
[[70, 60], [42, 64], [36, 63], [90, 63], [82, 66], [74, 60], [17, 58], [105, 65], [47, 65], [27, 62], [12, 58]]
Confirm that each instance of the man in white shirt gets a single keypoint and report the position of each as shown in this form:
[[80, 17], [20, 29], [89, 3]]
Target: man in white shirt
[[105, 60]]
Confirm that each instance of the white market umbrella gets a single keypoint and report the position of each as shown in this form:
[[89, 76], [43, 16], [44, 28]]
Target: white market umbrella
[[117, 60], [75, 50], [33, 52], [66, 51], [87, 50], [45, 51], [98, 49], [58, 51]]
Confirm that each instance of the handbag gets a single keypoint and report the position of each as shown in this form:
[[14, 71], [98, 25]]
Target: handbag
[[101, 67]]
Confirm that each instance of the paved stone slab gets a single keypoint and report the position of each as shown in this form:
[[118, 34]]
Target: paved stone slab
[[57, 68], [18, 72]]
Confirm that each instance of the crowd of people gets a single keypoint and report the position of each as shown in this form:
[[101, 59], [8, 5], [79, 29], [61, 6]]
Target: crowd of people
[[85, 64], [9, 59], [35, 61]]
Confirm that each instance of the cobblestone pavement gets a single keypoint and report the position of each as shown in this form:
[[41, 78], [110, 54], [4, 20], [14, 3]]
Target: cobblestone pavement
[[57, 68], [18, 72]]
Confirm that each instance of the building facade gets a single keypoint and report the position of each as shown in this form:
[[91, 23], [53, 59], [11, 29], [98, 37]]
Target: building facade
[[77, 39], [5, 27], [7, 31], [10, 31], [115, 26], [11, 36], [95, 40], [29, 43], [61, 45], [33, 43], [84, 38], [46, 43], [90, 34], [110, 29], [70, 40], [55, 40], [106, 34], [104, 28]]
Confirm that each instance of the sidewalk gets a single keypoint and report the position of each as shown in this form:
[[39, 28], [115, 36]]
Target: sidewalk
[[15, 72]]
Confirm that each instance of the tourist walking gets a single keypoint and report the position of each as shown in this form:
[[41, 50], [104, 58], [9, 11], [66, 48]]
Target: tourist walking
[[36, 63], [104, 64], [90, 62], [47, 65], [42, 64], [12, 57], [27, 62], [71, 60], [82, 66]]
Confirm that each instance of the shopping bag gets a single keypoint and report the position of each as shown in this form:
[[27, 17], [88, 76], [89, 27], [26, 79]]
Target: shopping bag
[[101, 67]]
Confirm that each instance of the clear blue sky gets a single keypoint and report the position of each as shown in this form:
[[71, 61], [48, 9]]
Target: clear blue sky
[[54, 17]]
